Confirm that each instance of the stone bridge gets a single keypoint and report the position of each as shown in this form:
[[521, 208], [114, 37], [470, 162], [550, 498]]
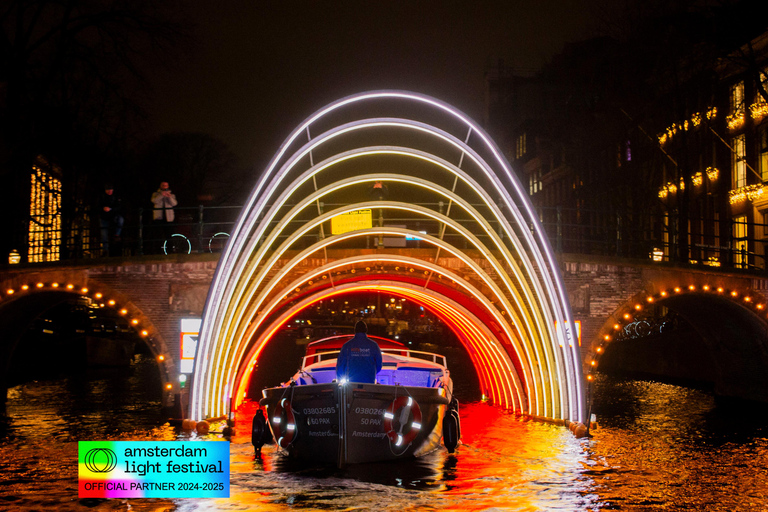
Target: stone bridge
[[727, 311]]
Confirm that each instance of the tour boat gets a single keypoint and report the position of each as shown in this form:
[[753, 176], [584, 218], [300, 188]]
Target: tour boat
[[404, 414]]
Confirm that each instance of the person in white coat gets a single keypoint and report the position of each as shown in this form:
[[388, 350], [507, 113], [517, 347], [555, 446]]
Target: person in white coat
[[163, 201]]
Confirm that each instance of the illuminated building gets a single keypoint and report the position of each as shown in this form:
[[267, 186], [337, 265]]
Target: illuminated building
[[44, 236]]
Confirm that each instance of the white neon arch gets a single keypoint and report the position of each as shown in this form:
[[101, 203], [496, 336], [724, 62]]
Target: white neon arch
[[410, 125], [235, 258]]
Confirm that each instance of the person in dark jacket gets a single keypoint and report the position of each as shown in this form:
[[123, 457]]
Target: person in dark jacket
[[359, 359], [110, 213]]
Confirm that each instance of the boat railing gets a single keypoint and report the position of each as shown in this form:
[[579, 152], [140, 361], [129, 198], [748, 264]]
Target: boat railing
[[319, 356], [416, 354]]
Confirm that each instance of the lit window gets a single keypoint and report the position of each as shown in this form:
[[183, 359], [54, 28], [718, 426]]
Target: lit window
[[737, 99], [763, 151], [736, 118], [741, 256], [763, 83], [738, 162], [520, 146]]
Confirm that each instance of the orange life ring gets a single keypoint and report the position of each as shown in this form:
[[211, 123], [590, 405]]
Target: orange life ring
[[403, 408], [284, 423]]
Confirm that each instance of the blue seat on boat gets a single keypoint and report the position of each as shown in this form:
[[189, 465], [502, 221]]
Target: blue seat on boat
[[415, 376], [321, 376]]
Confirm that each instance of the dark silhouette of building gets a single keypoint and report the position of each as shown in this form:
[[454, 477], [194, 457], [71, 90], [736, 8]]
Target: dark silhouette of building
[[625, 151]]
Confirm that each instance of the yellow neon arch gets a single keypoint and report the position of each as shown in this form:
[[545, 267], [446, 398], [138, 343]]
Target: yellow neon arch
[[248, 281]]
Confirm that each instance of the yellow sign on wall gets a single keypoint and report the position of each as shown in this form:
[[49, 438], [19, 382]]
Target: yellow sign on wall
[[351, 221]]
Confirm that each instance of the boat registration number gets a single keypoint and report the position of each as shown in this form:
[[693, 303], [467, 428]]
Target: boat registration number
[[369, 410], [319, 410]]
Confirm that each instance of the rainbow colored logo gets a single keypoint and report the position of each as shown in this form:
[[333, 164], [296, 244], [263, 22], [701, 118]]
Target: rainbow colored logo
[[153, 469]]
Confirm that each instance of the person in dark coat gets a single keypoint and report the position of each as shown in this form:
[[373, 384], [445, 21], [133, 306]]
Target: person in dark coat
[[360, 358], [110, 212]]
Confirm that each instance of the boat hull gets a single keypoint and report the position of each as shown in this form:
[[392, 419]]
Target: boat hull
[[349, 424]]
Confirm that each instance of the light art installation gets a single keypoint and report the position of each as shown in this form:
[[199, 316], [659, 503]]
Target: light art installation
[[501, 294]]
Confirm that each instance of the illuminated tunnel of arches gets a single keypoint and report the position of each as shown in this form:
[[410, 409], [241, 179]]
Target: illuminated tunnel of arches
[[483, 264]]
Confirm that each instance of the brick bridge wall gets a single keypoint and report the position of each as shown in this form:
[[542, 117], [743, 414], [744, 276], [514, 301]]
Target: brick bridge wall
[[163, 290], [598, 288]]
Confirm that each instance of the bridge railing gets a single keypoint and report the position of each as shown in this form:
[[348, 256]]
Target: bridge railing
[[195, 230], [658, 237], [637, 235]]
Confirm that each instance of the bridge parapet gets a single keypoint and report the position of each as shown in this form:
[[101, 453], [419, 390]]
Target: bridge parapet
[[598, 287]]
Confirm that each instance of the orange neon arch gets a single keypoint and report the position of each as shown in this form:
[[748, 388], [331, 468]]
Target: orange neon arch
[[495, 371]]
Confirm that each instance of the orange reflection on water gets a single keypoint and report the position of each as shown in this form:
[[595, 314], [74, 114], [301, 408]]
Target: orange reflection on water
[[507, 461], [504, 461]]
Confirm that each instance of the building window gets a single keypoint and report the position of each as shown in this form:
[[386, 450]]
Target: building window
[[762, 150], [759, 109], [765, 223], [740, 244], [44, 214], [534, 182], [737, 98], [520, 146], [738, 162], [735, 119]]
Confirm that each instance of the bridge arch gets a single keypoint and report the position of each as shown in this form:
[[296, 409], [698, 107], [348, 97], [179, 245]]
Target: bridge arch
[[23, 300], [731, 322], [506, 264]]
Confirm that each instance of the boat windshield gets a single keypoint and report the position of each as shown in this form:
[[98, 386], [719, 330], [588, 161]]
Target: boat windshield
[[388, 353]]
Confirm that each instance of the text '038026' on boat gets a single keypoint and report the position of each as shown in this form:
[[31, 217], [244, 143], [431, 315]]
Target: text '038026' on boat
[[405, 413]]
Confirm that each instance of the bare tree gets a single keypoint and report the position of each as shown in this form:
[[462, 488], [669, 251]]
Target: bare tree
[[201, 168], [70, 73]]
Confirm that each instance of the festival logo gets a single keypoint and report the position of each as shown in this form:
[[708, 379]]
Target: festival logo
[[153, 469]]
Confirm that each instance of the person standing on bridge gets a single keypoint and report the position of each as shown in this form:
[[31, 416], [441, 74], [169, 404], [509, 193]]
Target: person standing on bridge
[[360, 358], [110, 217], [163, 215]]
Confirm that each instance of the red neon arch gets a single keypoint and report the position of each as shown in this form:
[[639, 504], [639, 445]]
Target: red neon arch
[[435, 288], [496, 381]]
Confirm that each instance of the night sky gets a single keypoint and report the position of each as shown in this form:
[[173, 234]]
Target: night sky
[[258, 68]]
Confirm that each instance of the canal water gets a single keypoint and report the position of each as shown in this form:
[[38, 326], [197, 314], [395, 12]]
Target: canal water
[[657, 447]]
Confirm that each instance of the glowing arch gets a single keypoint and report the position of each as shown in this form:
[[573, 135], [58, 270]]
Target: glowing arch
[[484, 349], [530, 362]]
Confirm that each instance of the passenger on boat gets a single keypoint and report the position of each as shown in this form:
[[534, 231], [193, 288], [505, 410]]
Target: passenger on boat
[[359, 359]]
